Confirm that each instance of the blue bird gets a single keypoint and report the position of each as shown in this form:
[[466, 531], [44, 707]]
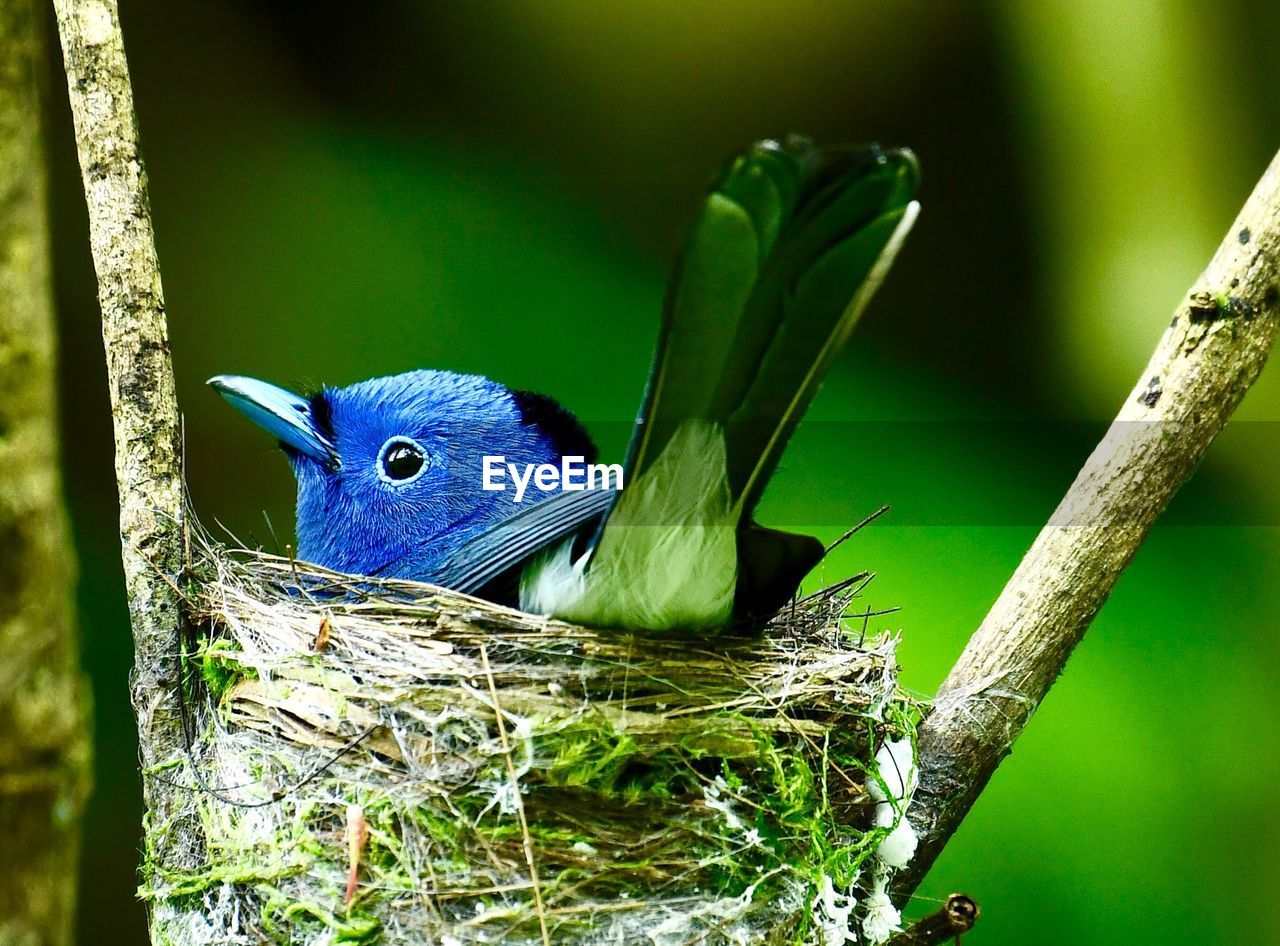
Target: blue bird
[[789, 246], [389, 469]]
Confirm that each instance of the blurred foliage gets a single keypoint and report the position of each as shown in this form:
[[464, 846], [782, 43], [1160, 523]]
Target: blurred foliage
[[344, 190]]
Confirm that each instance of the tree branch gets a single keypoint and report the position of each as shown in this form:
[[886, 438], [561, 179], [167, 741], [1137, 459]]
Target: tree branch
[[955, 918], [1212, 352], [44, 743], [143, 405]]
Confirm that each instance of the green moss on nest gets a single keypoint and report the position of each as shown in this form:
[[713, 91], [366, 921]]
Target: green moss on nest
[[219, 662]]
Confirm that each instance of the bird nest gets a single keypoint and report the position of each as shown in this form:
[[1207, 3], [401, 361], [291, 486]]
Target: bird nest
[[386, 761]]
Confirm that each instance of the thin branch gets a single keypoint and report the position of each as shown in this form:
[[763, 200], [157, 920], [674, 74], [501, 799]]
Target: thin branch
[[955, 918], [1212, 352], [143, 406]]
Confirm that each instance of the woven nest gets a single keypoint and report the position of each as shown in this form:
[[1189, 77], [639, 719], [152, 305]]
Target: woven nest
[[390, 762]]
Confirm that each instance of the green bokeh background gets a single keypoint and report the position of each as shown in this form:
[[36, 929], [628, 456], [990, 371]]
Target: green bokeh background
[[343, 190]]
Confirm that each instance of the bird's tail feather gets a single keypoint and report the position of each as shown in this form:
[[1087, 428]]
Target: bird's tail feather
[[790, 245]]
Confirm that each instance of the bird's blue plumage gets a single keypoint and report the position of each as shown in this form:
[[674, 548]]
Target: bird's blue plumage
[[354, 514]]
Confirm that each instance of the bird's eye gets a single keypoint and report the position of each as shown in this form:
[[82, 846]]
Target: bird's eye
[[401, 460]]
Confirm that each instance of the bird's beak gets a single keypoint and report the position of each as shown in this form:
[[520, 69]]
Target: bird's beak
[[279, 412]]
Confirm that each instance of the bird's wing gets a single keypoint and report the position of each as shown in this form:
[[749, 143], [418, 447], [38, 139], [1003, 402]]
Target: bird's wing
[[525, 532], [790, 245]]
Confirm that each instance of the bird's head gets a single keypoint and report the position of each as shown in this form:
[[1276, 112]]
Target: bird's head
[[390, 471]]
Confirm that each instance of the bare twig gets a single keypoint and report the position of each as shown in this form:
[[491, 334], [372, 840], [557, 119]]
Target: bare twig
[[143, 405], [955, 918], [526, 840], [1209, 356]]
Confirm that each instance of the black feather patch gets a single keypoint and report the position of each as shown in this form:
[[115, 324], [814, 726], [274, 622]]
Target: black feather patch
[[322, 416], [555, 422]]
